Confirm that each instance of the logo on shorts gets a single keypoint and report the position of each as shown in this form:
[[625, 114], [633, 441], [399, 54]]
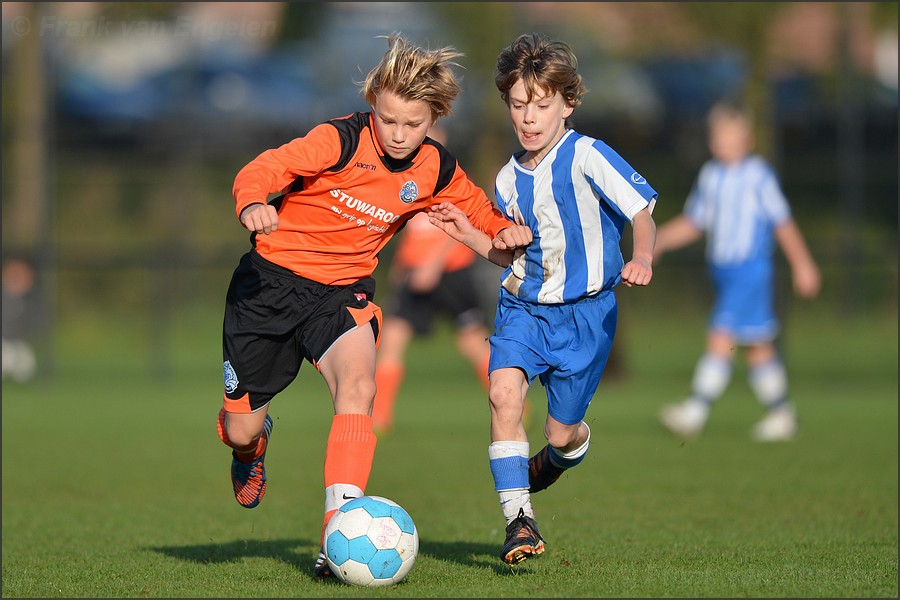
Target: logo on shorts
[[360, 296], [409, 192], [638, 178], [231, 379]]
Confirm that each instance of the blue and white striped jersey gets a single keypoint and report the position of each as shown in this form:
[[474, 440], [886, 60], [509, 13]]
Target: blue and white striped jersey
[[576, 202], [738, 206]]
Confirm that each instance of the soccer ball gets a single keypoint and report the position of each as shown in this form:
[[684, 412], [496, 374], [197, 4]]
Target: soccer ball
[[371, 541]]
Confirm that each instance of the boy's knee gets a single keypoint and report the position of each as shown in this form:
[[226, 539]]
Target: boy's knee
[[235, 432], [565, 437], [506, 400]]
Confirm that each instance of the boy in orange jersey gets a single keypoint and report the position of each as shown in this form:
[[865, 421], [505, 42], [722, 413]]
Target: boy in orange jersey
[[304, 290]]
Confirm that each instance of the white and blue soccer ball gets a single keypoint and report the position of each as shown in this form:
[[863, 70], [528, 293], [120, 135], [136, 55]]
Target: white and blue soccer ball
[[371, 541]]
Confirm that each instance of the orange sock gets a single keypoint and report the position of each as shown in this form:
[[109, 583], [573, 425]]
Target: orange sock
[[388, 377], [348, 460]]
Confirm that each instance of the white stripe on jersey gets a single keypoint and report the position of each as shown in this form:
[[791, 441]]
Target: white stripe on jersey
[[575, 202], [738, 207]]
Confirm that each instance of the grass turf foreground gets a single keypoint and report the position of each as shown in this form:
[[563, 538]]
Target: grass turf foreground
[[116, 485]]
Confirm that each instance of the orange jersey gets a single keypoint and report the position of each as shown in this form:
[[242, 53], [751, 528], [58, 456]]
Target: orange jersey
[[342, 201], [421, 243]]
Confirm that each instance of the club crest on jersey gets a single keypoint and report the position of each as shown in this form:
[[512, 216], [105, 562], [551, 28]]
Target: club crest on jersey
[[231, 379], [409, 192]]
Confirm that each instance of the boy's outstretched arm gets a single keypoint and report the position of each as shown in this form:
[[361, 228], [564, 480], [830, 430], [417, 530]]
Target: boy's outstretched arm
[[639, 270], [674, 234], [454, 223], [804, 271]]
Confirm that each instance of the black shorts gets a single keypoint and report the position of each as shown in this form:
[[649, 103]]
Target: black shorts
[[456, 296], [274, 319]]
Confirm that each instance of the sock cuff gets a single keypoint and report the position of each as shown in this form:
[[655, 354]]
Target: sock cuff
[[772, 365], [507, 449], [714, 361], [390, 367], [572, 458], [220, 428], [351, 427]]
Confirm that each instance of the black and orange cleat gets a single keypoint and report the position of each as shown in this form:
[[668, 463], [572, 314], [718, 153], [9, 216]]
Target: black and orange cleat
[[522, 540], [542, 473], [249, 479], [322, 570]]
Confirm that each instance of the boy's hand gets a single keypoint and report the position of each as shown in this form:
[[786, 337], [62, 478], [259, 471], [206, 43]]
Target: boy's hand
[[260, 218], [447, 217], [512, 237], [807, 280], [637, 271]]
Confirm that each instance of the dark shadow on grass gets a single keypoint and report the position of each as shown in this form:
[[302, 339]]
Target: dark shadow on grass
[[302, 553], [471, 554], [299, 553]]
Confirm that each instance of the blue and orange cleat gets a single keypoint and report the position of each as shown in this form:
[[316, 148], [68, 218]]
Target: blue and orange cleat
[[249, 479]]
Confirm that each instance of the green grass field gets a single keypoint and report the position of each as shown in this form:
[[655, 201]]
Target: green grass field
[[116, 485]]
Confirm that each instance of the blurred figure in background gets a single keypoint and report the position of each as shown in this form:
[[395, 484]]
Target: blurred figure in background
[[432, 275], [737, 202], [19, 361]]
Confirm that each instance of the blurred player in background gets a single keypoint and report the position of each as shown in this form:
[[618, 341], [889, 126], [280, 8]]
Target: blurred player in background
[[19, 360], [304, 291], [432, 275], [557, 310], [737, 202]]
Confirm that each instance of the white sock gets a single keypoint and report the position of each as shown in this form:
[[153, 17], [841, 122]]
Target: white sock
[[769, 382], [513, 500], [711, 377], [509, 466]]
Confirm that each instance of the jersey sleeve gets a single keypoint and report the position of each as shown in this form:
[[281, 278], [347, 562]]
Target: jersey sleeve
[[696, 206], [617, 181], [276, 169], [772, 199], [472, 200]]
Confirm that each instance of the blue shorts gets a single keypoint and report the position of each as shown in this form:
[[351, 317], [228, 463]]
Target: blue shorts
[[566, 345], [745, 298]]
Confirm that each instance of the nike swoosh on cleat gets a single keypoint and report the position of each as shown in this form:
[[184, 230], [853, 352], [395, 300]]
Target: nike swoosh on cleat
[[346, 497]]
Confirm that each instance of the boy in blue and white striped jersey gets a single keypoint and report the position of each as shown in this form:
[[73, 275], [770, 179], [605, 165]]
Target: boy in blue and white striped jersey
[[738, 203], [556, 313]]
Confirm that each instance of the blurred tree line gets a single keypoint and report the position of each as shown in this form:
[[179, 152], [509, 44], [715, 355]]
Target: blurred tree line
[[143, 226]]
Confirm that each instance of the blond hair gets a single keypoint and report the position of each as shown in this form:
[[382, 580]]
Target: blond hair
[[540, 63], [415, 73]]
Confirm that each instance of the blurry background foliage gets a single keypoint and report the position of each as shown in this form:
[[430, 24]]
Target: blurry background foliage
[[124, 125]]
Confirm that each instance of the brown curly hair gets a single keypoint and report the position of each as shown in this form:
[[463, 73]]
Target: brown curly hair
[[541, 63]]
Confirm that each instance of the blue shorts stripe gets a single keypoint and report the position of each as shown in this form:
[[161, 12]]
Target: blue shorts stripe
[[510, 473]]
